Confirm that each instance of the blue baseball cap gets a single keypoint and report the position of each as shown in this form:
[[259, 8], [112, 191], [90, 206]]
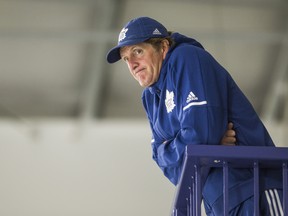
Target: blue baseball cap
[[136, 31]]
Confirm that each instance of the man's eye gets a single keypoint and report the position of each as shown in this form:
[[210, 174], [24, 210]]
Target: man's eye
[[137, 51]]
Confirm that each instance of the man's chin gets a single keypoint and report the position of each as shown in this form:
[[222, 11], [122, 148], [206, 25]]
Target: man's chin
[[142, 84]]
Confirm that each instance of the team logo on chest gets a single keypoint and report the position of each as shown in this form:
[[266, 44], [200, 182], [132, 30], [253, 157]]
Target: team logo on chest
[[169, 101]]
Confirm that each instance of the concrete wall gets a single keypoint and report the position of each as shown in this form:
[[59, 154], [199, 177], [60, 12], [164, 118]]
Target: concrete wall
[[64, 168]]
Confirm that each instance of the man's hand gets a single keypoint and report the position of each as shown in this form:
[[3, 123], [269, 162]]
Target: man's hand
[[229, 136]]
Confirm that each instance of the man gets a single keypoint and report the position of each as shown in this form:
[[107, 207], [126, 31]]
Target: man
[[189, 98]]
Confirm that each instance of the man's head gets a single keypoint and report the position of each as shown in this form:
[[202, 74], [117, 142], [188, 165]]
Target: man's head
[[142, 44], [136, 31]]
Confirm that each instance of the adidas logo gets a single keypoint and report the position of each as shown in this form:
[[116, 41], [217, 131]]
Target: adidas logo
[[156, 32], [191, 97]]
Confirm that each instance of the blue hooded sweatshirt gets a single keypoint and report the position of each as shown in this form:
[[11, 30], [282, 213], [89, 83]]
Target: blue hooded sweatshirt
[[192, 103]]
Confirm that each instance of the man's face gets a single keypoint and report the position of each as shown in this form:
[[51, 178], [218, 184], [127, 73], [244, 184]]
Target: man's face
[[144, 62]]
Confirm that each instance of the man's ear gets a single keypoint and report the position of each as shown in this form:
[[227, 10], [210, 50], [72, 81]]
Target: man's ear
[[165, 47], [165, 44]]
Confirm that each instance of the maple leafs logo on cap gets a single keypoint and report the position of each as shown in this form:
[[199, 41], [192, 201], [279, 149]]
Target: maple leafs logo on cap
[[122, 34]]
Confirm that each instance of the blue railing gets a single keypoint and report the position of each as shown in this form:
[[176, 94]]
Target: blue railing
[[199, 158]]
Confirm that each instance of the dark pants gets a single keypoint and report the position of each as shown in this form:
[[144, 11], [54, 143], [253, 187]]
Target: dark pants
[[270, 205]]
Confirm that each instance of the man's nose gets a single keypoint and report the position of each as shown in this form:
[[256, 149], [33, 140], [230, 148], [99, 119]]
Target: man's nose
[[133, 64]]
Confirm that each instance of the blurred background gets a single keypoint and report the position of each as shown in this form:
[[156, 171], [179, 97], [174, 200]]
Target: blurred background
[[74, 138]]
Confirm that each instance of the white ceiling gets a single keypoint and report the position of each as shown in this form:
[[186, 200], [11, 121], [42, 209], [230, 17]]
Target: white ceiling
[[53, 53]]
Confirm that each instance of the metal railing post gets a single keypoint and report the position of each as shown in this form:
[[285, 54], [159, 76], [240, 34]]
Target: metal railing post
[[285, 188], [256, 188], [225, 189], [198, 190]]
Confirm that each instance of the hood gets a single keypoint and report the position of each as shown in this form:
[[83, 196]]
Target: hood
[[179, 39]]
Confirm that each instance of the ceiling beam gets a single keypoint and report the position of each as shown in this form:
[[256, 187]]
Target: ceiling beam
[[110, 36], [277, 97], [256, 3], [95, 74]]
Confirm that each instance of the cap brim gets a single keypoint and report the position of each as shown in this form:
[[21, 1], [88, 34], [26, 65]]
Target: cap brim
[[114, 54]]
